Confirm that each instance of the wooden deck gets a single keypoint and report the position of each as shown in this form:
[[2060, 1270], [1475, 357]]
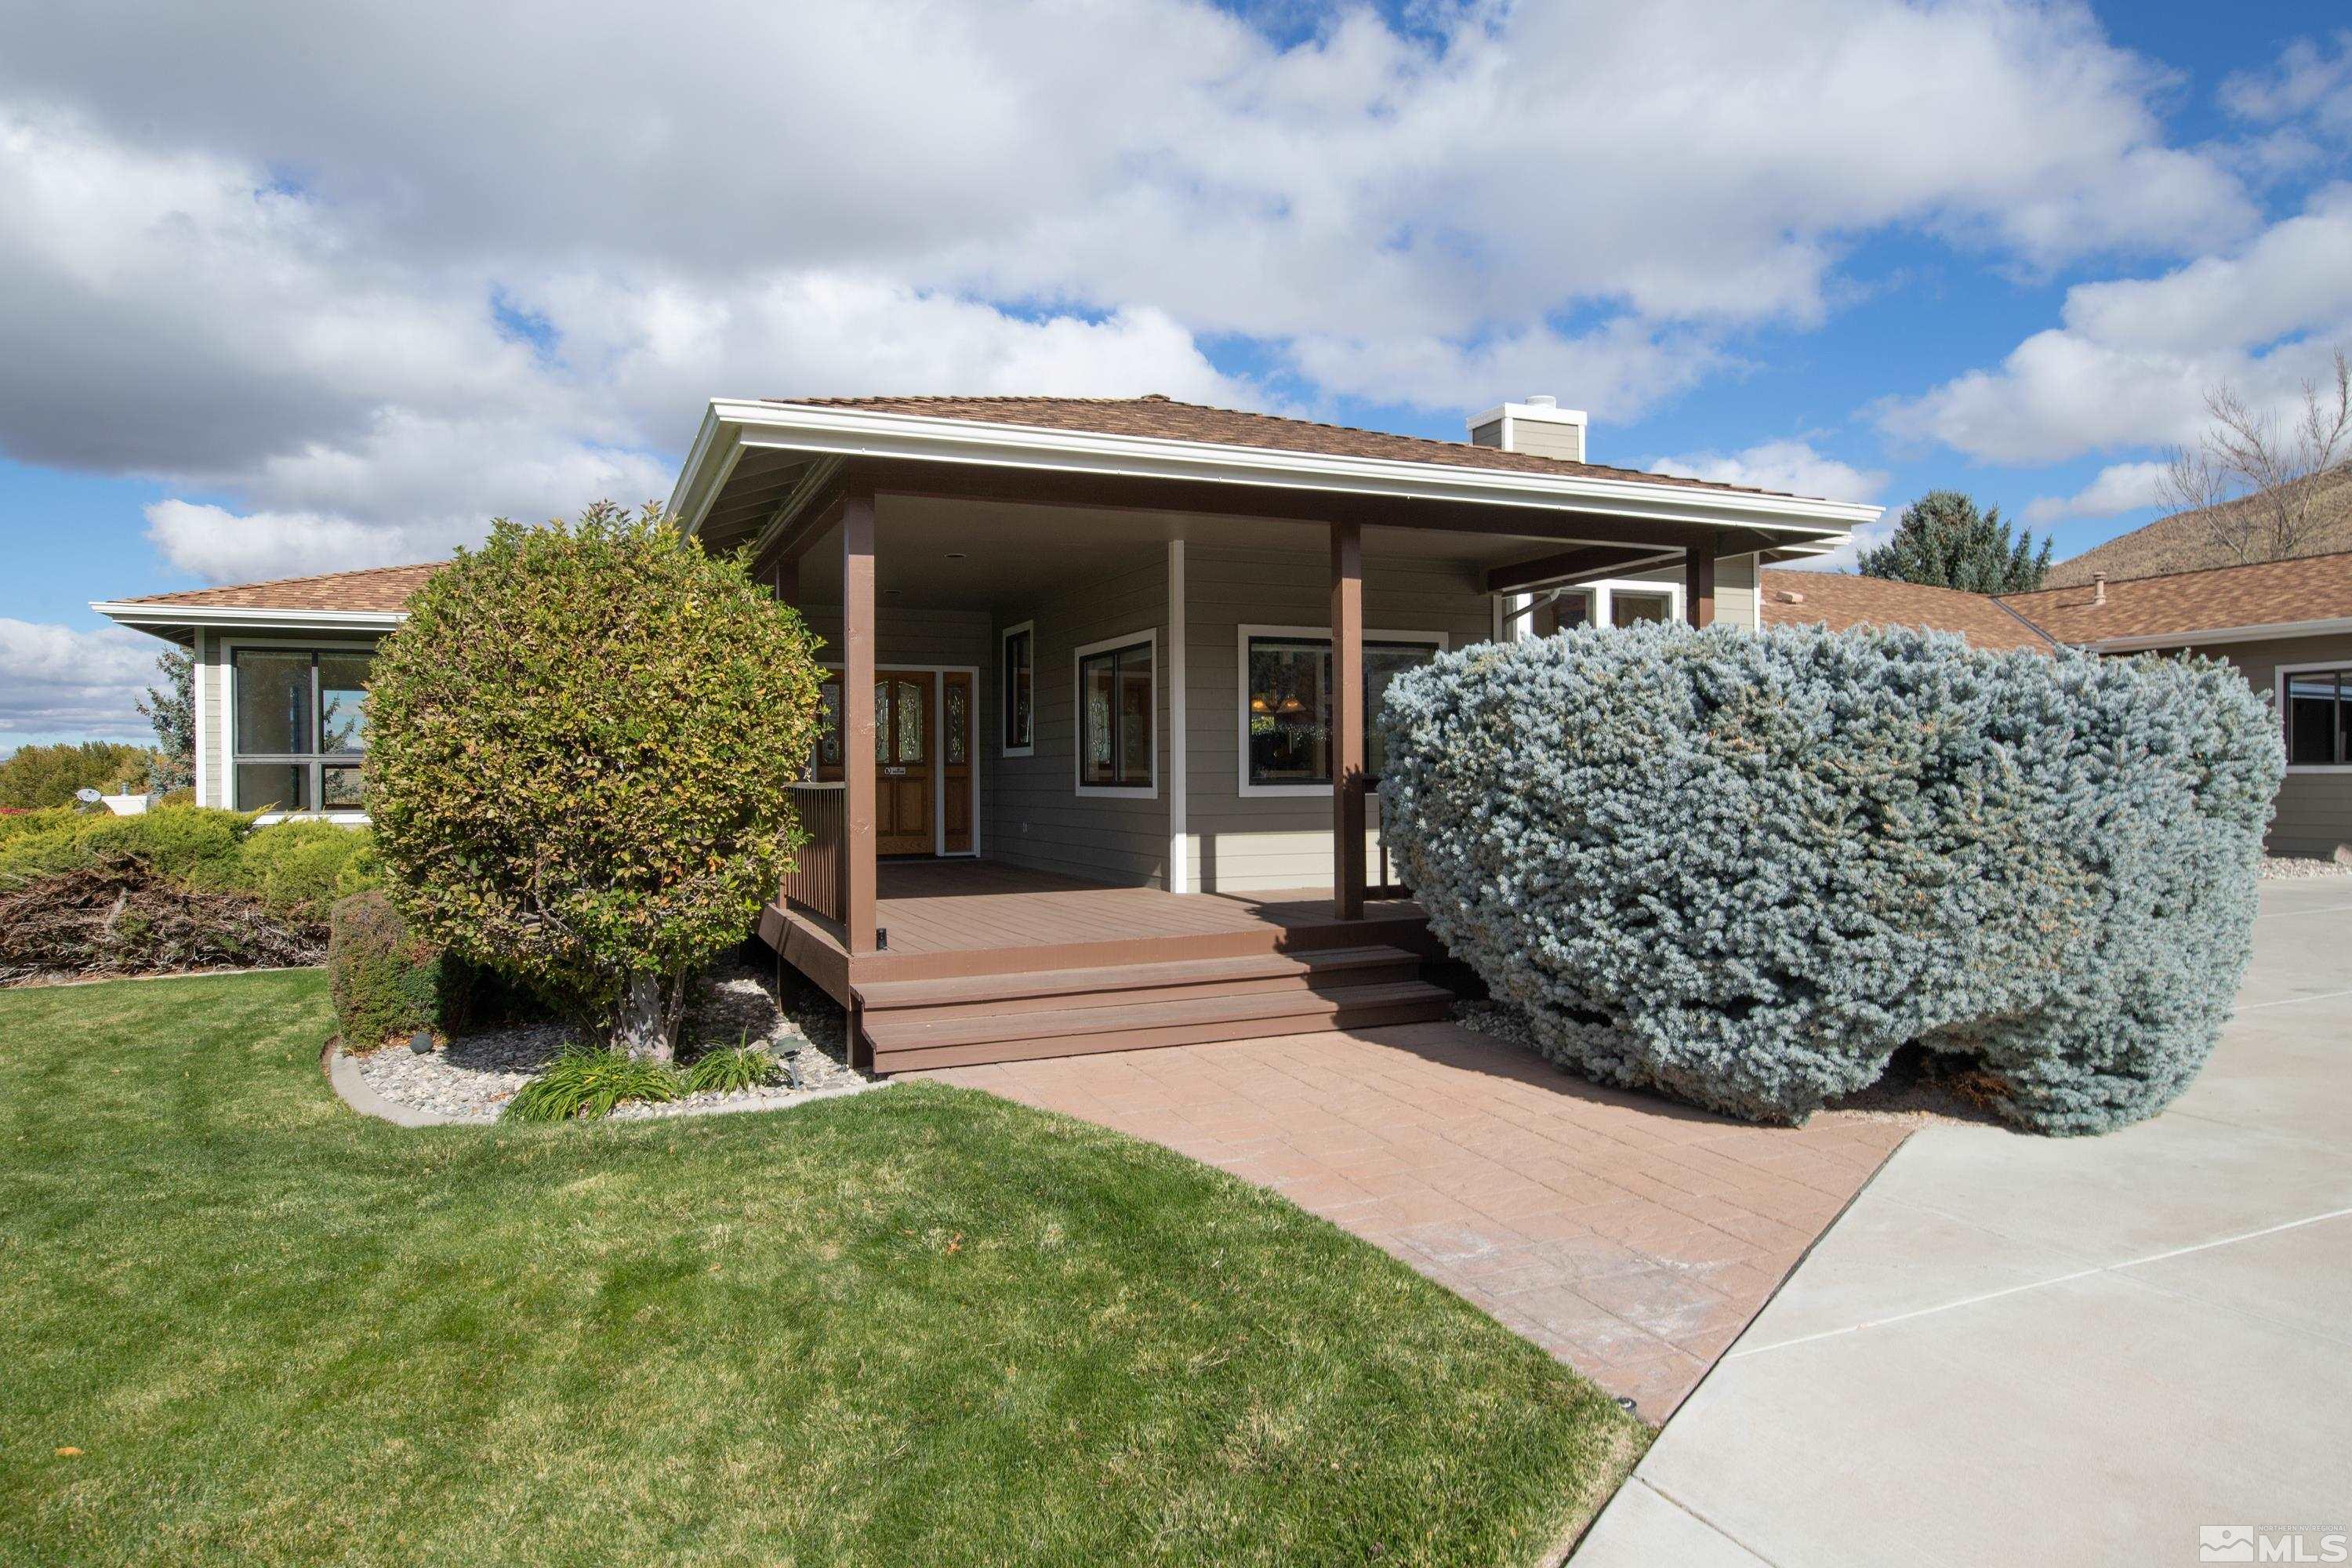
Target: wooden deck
[[986, 961]]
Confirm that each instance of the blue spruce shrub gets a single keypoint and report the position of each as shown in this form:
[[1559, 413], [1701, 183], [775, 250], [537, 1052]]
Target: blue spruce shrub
[[1745, 869]]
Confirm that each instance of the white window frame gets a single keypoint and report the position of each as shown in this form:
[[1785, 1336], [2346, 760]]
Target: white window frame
[[1005, 690], [2278, 678], [1438, 640], [1147, 635], [230, 750]]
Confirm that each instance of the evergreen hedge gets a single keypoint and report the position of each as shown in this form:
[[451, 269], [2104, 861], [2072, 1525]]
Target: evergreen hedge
[[1745, 869]]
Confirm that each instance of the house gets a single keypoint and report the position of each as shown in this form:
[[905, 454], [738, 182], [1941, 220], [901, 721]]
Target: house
[[2287, 628], [1099, 775]]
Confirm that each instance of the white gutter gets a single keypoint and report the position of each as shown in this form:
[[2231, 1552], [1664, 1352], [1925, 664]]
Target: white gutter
[[733, 423], [146, 616], [2193, 637]]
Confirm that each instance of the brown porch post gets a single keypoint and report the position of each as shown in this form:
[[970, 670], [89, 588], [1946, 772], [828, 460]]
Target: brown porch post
[[1347, 720], [1699, 586], [857, 718]]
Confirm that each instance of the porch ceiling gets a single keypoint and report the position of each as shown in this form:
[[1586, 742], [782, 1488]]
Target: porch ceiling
[[936, 553]]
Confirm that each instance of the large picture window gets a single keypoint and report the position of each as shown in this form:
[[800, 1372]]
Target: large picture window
[[2317, 706], [1287, 701], [1019, 685], [300, 729], [1116, 746]]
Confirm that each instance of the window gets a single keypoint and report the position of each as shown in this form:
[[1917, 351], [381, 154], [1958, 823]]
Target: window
[[1020, 666], [1627, 608], [1565, 614], [1116, 746], [300, 729], [1287, 701], [2317, 705]]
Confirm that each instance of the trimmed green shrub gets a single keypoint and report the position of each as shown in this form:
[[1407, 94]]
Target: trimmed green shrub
[[197, 846], [17, 823], [1746, 869], [304, 866], [298, 868], [582, 745], [585, 1082], [386, 981]]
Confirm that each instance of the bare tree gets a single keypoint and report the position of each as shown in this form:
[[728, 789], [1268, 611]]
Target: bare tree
[[2251, 479]]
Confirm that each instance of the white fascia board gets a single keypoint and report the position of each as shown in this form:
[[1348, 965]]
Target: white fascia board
[[867, 433], [142, 617], [2192, 640], [709, 462]]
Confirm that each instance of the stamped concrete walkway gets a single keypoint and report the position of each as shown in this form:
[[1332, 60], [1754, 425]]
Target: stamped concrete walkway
[[2060, 1351], [1630, 1237]]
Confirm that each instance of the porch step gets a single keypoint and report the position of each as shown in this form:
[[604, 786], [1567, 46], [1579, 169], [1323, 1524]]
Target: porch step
[[1043, 990], [901, 1040]]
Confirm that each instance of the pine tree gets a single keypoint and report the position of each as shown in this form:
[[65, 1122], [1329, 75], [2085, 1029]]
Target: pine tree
[[171, 709], [1945, 541]]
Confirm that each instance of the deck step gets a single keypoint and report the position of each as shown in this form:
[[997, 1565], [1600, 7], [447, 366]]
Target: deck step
[[1044, 989], [901, 1041]]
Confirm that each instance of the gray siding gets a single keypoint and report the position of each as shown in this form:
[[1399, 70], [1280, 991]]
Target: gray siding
[[1735, 591], [1238, 842], [1036, 816], [2314, 806]]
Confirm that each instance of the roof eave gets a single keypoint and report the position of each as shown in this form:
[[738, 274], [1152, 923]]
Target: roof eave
[[143, 617], [2269, 632], [732, 424]]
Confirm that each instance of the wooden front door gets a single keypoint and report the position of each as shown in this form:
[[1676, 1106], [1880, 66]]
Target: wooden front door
[[904, 750]]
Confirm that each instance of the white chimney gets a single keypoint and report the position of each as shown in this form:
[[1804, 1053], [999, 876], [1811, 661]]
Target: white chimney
[[2098, 587], [1538, 427]]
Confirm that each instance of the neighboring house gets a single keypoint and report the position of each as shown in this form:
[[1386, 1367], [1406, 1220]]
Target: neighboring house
[[1099, 772], [2287, 627], [1841, 602]]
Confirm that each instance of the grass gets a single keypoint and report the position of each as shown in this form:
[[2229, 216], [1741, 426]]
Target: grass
[[918, 1326]]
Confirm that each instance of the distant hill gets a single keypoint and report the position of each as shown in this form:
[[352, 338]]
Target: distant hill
[[2180, 542]]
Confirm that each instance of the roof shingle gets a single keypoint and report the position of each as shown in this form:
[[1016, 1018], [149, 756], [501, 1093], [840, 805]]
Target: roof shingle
[[376, 588], [2268, 593], [1791, 598], [1167, 419]]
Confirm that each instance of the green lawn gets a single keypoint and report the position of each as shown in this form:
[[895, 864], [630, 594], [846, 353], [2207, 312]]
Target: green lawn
[[922, 1326]]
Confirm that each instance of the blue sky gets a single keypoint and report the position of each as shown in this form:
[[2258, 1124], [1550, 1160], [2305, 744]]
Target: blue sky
[[291, 289]]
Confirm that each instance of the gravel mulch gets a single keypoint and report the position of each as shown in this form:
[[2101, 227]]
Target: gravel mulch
[[472, 1077], [2287, 866]]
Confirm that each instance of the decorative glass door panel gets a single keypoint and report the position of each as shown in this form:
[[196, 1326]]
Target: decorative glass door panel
[[902, 751], [956, 713]]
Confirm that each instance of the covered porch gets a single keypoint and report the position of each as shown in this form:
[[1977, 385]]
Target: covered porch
[[1113, 691]]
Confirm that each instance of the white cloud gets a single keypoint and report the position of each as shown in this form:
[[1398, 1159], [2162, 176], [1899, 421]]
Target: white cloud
[[2119, 488], [2307, 83], [2133, 361], [1793, 468], [56, 681], [258, 251]]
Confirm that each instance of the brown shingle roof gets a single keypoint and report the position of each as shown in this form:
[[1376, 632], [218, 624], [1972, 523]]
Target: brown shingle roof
[[2269, 593], [1841, 602], [378, 588], [1167, 419]]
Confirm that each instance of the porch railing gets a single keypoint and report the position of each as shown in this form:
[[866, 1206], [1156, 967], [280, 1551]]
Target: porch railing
[[1382, 877], [815, 881]]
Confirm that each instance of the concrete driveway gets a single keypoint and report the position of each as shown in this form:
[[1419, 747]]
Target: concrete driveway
[[2020, 1350]]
